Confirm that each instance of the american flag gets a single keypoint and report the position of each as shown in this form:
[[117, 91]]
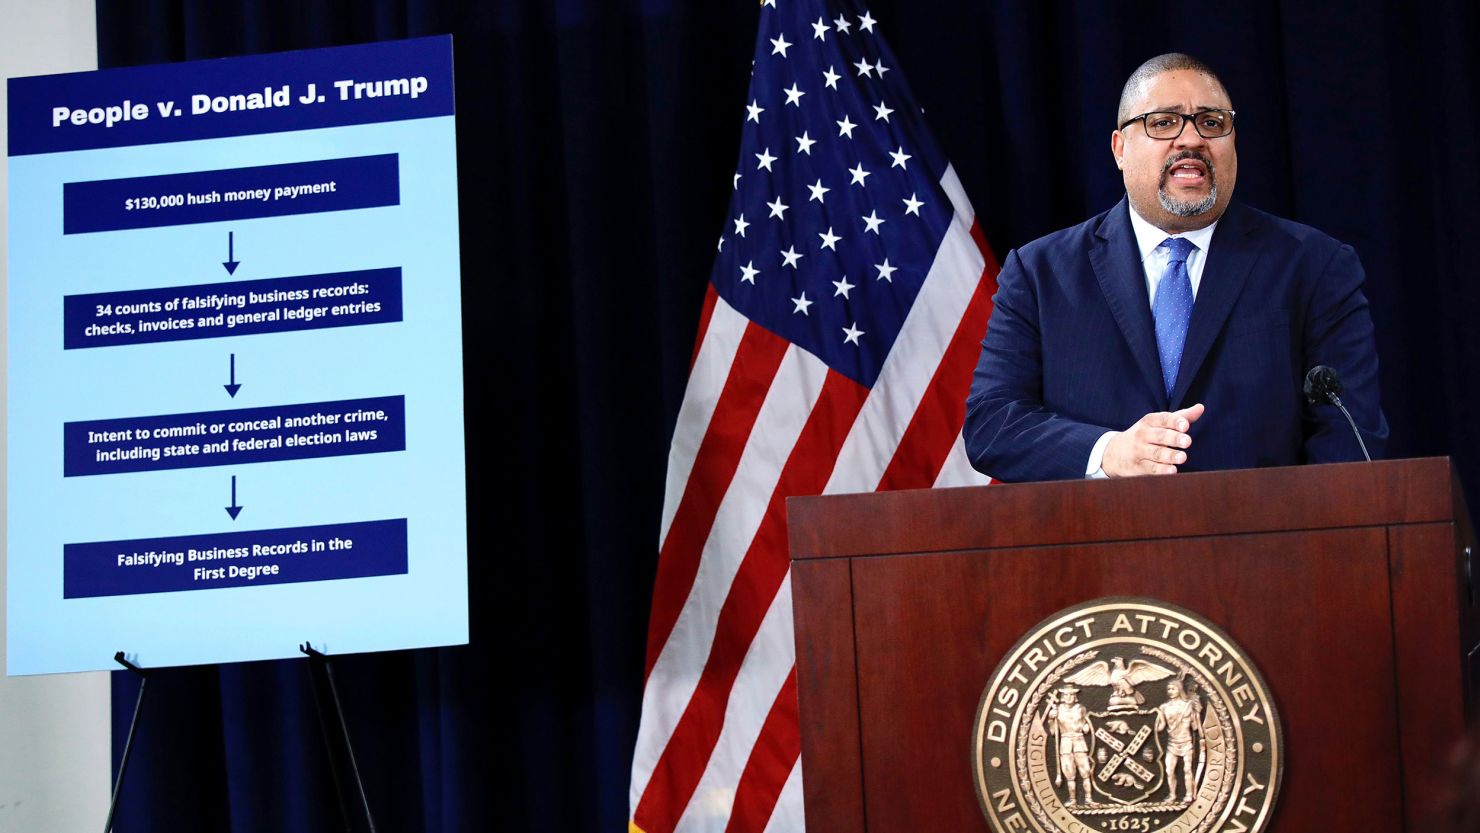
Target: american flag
[[836, 345]]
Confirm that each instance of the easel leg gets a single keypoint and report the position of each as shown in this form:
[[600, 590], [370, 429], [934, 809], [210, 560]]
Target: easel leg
[[128, 744], [321, 660]]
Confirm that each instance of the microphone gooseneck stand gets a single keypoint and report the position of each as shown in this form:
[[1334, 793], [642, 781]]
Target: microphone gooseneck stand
[[1323, 387]]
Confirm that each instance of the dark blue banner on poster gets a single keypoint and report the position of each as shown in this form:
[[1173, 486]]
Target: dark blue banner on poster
[[350, 85]]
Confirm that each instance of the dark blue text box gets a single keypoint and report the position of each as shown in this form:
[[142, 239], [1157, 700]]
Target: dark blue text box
[[234, 559], [231, 194], [274, 305], [109, 99], [244, 435]]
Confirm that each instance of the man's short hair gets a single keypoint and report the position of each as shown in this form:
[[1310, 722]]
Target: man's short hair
[[1169, 62]]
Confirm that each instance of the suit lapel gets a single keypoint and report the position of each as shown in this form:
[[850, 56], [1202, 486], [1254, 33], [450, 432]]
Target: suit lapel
[[1231, 258], [1113, 254]]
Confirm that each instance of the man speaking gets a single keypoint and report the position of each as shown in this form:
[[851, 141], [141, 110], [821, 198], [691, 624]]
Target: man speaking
[[1172, 332]]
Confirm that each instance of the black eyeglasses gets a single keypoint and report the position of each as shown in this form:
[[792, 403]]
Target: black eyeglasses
[[1209, 124]]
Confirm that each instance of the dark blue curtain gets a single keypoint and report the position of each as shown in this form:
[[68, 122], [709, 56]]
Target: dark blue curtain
[[595, 144]]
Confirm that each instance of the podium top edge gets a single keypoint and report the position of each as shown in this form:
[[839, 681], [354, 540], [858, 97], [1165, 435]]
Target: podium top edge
[[1327, 496]]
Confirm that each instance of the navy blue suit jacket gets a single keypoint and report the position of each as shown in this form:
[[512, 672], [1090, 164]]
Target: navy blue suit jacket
[[1070, 351]]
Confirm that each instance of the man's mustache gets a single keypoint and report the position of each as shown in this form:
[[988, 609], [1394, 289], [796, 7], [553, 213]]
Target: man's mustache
[[1183, 156]]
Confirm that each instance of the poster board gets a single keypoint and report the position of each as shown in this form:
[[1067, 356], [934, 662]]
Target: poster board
[[235, 388]]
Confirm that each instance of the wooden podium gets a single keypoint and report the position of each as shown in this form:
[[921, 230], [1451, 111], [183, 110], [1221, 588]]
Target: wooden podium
[[1348, 585]]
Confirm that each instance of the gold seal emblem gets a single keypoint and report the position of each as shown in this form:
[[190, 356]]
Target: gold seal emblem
[[1127, 715]]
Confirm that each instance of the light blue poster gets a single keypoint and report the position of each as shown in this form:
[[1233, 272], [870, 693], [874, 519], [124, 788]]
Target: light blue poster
[[235, 388]]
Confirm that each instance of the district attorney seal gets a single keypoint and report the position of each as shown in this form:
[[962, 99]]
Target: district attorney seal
[[1126, 714]]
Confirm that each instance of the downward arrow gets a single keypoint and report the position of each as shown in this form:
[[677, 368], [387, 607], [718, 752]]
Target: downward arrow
[[233, 387], [233, 510], [231, 261]]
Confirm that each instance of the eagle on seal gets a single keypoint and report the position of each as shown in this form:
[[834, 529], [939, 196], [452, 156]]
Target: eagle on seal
[[1121, 678]]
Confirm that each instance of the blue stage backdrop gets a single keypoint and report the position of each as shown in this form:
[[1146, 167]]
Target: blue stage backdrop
[[596, 141]]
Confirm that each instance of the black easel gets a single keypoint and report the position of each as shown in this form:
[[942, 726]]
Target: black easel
[[128, 745], [320, 662]]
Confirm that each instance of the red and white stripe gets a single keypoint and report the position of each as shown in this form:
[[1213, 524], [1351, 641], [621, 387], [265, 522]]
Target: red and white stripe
[[762, 420]]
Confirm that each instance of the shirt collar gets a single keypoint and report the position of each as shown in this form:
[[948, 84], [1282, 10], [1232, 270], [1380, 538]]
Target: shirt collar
[[1148, 237]]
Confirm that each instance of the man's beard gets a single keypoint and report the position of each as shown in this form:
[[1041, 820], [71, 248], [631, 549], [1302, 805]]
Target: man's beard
[[1183, 208]]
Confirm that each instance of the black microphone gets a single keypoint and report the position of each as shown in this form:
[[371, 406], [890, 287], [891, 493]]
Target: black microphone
[[1323, 387]]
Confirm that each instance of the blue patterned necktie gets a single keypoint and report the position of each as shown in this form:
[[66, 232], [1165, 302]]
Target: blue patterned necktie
[[1172, 309]]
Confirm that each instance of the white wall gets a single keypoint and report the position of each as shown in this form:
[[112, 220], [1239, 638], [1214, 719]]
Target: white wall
[[54, 731]]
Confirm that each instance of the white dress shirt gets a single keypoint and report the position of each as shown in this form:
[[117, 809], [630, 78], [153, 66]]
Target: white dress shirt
[[1154, 259]]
